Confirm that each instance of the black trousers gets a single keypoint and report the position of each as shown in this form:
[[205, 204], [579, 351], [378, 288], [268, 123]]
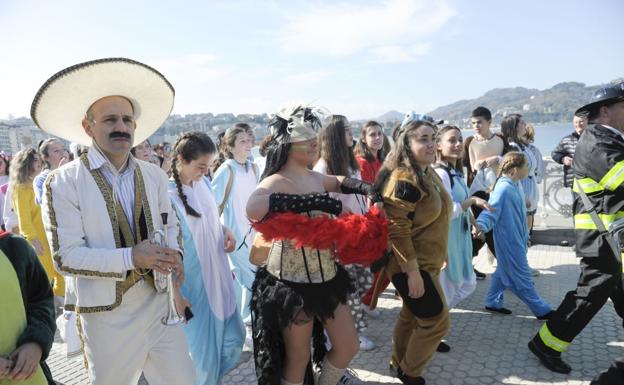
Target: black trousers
[[600, 279], [477, 243]]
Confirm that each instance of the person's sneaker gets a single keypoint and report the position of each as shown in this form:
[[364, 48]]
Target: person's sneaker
[[350, 377], [480, 275], [374, 313], [366, 344], [551, 362], [443, 347], [535, 272], [499, 310]]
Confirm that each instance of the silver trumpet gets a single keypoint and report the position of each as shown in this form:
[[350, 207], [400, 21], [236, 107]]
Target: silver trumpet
[[164, 282]]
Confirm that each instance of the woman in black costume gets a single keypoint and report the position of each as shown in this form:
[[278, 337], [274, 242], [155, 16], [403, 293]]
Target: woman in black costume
[[300, 291]]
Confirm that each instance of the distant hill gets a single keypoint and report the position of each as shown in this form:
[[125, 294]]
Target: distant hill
[[390, 116], [537, 106]]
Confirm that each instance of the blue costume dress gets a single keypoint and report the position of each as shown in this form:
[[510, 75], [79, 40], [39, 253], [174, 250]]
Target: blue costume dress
[[216, 333], [457, 279], [510, 239], [245, 179]]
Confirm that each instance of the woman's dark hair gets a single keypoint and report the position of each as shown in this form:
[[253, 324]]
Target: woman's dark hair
[[263, 145], [278, 147], [7, 164], [509, 128], [361, 149], [458, 164], [387, 147], [244, 126], [226, 142], [402, 156], [189, 147], [333, 148]]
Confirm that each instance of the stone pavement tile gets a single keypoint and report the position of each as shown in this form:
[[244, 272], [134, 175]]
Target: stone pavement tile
[[485, 348]]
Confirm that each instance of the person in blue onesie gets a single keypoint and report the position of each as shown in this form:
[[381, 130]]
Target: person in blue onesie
[[508, 220]]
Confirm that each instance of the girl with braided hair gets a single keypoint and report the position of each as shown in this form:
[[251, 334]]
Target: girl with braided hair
[[508, 222], [302, 290], [216, 333]]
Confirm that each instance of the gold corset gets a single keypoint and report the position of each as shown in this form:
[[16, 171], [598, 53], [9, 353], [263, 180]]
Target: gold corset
[[288, 263], [303, 265]]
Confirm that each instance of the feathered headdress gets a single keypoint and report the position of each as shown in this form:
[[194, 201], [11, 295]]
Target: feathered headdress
[[296, 123]]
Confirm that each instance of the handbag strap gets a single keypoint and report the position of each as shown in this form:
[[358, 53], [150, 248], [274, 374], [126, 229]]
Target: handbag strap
[[228, 188], [591, 209]]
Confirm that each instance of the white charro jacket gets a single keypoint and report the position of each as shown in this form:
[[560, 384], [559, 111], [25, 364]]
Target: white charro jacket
[[79, 219]]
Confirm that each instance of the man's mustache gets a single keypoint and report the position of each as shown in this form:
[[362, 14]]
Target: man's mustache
[[118, 134]]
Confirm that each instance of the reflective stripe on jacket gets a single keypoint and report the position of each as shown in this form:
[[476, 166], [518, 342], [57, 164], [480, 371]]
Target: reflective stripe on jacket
[[599, 169]]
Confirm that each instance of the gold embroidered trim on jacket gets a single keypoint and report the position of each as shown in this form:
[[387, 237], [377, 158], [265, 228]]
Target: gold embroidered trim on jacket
[[55, 241], [122, 224]]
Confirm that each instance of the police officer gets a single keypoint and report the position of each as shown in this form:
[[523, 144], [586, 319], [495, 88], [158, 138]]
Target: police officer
[[599, 170]]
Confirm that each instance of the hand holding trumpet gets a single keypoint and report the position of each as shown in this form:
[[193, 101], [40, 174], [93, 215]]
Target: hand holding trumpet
[[148, 255]]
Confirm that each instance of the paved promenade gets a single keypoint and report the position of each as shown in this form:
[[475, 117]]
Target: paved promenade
[[486, 348]]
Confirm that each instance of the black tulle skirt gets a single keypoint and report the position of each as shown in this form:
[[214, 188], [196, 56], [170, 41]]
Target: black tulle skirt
[[275, 304]]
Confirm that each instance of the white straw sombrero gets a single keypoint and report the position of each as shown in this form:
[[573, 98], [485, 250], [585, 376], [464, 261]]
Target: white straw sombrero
[[62, 102]]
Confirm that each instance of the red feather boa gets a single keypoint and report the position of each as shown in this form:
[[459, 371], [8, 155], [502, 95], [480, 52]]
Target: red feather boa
[[355, 238]]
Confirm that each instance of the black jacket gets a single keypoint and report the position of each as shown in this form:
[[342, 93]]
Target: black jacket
[[599, 167], [36, 293], [566, 147]]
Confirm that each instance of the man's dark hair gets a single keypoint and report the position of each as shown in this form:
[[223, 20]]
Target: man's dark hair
[[482, 112]]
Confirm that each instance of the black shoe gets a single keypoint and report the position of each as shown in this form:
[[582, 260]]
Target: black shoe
[[546, 316], [552, 362], [501, 310], [408, 380], [480, 275], [443, 347]]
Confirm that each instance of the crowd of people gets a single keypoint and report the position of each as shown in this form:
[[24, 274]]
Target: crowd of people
[[283, 255]]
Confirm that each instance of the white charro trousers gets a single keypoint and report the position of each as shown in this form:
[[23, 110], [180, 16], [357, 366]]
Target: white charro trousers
[[130, 339]]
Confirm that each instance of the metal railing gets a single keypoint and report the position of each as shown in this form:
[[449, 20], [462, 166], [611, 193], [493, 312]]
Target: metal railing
[[555, 203]]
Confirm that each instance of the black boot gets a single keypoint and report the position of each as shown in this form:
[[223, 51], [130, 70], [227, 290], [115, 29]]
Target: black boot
[[552, 361], [480, 275], [546, 316], [408, 380]]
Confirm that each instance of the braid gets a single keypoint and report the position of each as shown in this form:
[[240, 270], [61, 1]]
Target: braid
[[189, 147], [510, 161], [176, 177]]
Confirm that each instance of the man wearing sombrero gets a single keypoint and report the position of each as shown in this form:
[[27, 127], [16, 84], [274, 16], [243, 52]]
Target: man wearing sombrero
[[599, 175], [101, 210]]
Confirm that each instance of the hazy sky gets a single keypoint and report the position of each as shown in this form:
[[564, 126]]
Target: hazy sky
[[357, 58]]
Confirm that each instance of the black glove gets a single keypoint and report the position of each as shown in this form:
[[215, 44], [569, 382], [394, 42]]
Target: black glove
[[356, 186], [295, 203]]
